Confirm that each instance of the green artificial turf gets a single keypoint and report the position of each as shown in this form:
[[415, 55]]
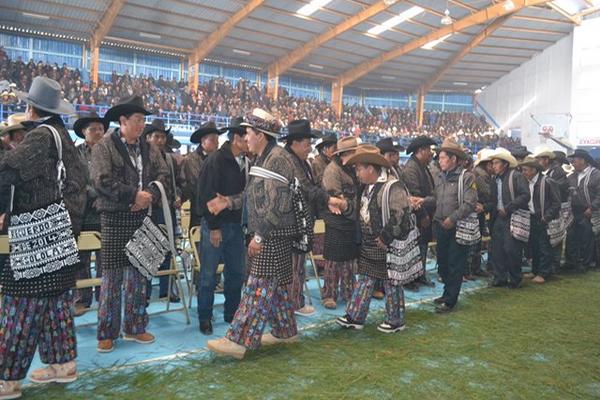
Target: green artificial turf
[[537, 342]]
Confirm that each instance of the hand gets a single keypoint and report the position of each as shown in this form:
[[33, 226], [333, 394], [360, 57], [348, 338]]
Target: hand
[[216, 237], [177, 203], [337, 205], [2, 218], [448, 224], [254, 248], [588, 213], [143, 200], [479, 208], [218, 204], [502, 212], [381, 244], [416, 202]]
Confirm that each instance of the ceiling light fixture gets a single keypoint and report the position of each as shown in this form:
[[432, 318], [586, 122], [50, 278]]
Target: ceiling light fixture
[[316, 66], [311, 7], [244, 52], [33, 15], [446, 19], [397, 20], [150, 35], [509, 5]]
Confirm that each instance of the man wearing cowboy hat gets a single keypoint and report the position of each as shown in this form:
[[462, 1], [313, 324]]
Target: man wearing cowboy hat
[[326, 146], [372, 170], [452, 256], [341, 244], [585, 199], [11, 136], [298, 145], [158, 136], [91, 128], [420, 184], [207, 139], [273, 224], [506, 250], [552, 166], [391, 152], [37, 311], [123, 166], [222, 239], [544, 206]]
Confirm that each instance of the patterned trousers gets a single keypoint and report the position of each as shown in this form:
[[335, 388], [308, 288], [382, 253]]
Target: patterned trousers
[[134, 286], [262, 301], [296, 288], [27, 323], [358, 307], [339, 279]]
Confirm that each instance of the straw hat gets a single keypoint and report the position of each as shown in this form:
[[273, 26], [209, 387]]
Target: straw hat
[[502, 154], [532, 162], [347, 144], [544, 151], [483, 156], [368, 154], [16, 118], [264, 122]]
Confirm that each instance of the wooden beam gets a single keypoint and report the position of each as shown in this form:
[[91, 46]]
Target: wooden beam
[[337, 92], [420, 107], [99, 33], [289, 60], [193, 75], [480, 17], [207, 45], [576, 19]]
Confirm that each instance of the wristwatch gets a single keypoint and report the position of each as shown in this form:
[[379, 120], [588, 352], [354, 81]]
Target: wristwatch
[[258, 239]]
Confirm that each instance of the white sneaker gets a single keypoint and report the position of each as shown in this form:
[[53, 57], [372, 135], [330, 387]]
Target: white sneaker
[[10, 390], [306, 311], [387, 328]]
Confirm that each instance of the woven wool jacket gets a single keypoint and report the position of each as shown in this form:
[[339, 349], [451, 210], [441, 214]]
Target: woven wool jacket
[[31, 168], [189, 176], [319, 165], [339, 180], [115, 177]]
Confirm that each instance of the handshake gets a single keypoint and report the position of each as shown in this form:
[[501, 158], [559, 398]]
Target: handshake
[[416, 202], [336, 205]]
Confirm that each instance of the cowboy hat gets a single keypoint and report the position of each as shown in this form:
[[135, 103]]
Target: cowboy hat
[[345, 144], [263, 122], [544, 152], [11, 129], [131, 105], [207, 128], [418, 142], [450, 146], [483, 155], [368, 154], [532, 162], [561, 157], [328, 139], [520, 152], [16, 118], [580, 153], [235, 126], [157, 125], [84, 119], [387, 146], [45, 94], [172, 143], [299, 129], [502, 154]]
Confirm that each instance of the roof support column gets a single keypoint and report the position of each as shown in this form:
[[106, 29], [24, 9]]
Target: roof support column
[[94, 65], [193, 71], [337, 95], [420, 107], [272, 84]]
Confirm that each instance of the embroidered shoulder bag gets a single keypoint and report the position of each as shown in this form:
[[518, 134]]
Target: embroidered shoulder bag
[[42, 241], [467, 229], [520, 219], [556, 229]]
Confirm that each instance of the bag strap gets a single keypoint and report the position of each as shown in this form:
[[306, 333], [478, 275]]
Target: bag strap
[[542, 193], [385, 206], [60, 166], [267, 174], [511, 187], [586, 190], [461, 187], [167, 214], [171, 166]]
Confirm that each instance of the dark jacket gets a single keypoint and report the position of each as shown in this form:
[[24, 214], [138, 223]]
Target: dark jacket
[[115, 177], [551, 199], [578, 199], [558, 175], [319, 165], [31, 168], [521, 189], [221, 173], [92, 217], [190, 173], [446, 196], [420, 183], [340, 180], [484, 188]]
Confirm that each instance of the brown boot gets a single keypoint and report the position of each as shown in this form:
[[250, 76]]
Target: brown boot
[[227, 348], [60, 373], [378, 294], [268, 339], [105, 346], [330, 304], [10, 390], [141, 338]]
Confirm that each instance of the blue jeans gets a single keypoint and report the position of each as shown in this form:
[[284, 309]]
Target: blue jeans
[[232, 252]]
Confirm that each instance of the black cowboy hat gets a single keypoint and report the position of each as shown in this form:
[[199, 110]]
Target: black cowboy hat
[[580, 153], [329, 138], [299, 129], [205, 129], [234, 126], [387, 145], [157, 125], [133, 104], [520, 152], [418, 142], [84, 119], [172, 143], [561, 157]]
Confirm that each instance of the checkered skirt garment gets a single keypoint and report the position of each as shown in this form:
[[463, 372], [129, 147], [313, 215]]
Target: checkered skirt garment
[[117, 228]]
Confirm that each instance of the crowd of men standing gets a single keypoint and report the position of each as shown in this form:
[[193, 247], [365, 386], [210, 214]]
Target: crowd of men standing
[[256, 204]]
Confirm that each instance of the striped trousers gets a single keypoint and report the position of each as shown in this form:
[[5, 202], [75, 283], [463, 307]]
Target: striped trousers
[[358, 307]]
